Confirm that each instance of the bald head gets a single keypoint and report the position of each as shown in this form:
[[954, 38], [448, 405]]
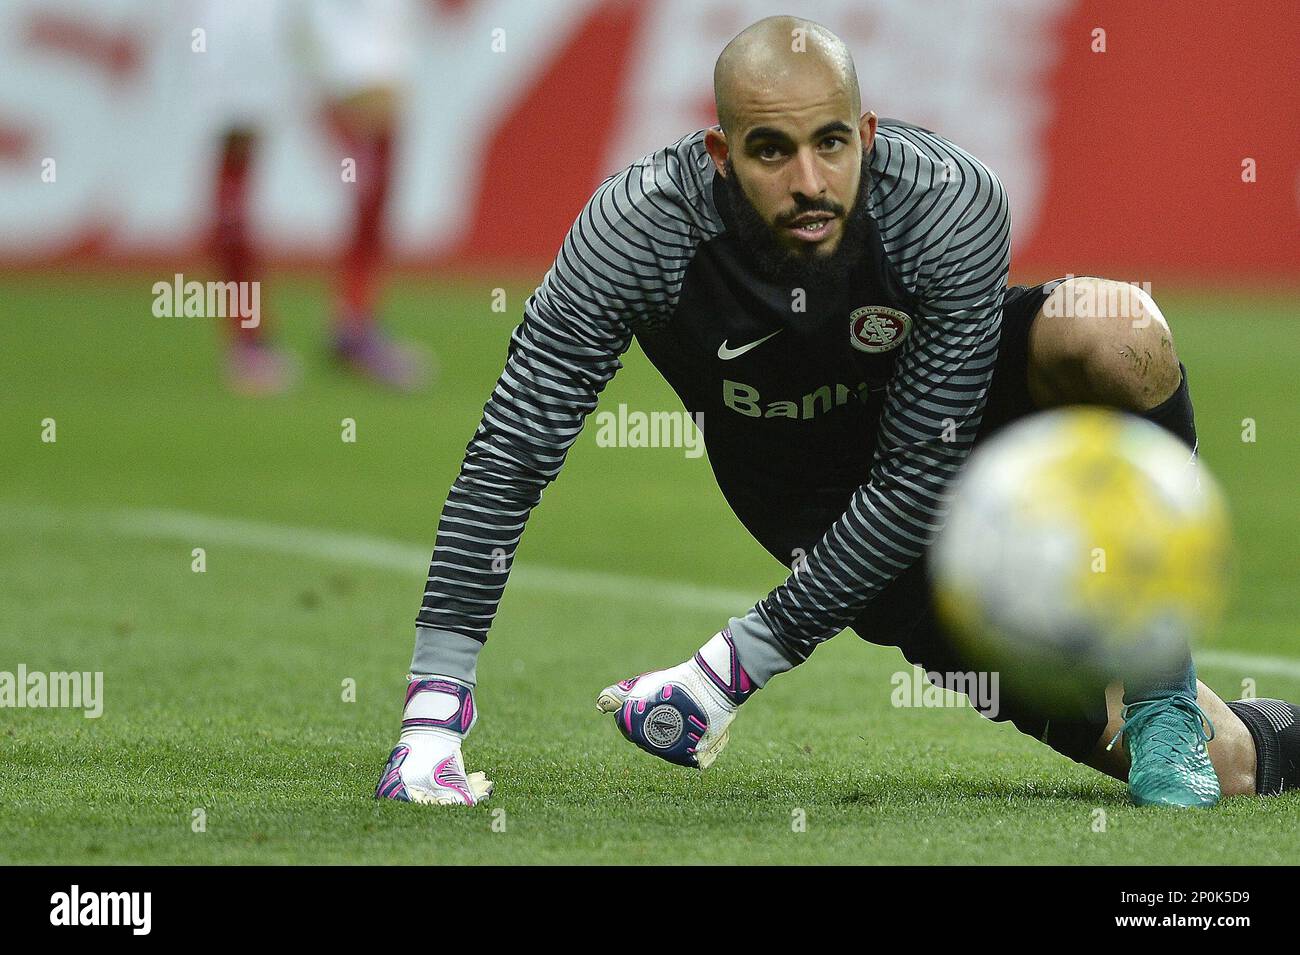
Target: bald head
[[792, 146], [778, 54]]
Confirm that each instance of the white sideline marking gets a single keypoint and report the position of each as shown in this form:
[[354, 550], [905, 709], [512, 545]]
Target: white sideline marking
[[360, 549]]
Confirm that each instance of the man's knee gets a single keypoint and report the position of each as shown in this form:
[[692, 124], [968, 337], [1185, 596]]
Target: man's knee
[[1095, 341]]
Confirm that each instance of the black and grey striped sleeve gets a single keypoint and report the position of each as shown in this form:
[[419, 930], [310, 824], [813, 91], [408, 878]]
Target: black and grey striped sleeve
[[621, 263], [945, 224]]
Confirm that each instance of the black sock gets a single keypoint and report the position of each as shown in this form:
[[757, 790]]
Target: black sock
[[1174, 414], [1275, 727]]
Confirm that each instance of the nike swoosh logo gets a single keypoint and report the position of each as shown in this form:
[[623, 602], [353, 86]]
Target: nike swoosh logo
[[726, 354]]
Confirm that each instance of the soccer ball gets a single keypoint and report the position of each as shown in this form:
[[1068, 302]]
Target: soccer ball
[[1082, 546]]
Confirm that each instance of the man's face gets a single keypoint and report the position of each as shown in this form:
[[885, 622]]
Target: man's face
[[794, 153], [809, 265]]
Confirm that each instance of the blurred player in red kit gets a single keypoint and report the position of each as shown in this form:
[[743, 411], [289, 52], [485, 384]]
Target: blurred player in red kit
[[353, 54]]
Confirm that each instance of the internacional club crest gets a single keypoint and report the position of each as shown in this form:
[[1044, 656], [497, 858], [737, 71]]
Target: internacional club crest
[[877, 328]]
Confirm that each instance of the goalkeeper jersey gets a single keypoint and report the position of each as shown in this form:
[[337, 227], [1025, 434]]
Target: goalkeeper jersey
[[875, 381]]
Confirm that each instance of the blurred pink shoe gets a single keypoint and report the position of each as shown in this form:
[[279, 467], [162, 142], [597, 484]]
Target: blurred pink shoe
[[258, 370], [370, 353]]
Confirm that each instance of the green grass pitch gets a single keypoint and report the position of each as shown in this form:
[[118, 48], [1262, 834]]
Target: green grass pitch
[[224, 690]]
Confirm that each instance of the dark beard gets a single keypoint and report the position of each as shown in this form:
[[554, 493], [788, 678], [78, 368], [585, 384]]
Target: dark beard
[[793, 267]]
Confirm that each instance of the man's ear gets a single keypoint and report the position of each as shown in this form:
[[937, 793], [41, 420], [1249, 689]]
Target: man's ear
[[715, 141], [867, 130]]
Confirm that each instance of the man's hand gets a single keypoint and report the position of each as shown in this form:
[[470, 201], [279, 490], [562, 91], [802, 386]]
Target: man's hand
[[426, 765], [417, 773], [682, 714]]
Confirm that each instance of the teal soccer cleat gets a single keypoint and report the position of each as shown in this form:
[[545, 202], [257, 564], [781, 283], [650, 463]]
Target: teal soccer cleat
[[1168, 761]]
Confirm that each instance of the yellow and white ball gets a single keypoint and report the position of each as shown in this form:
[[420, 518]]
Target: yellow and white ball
[[1082, 545]]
